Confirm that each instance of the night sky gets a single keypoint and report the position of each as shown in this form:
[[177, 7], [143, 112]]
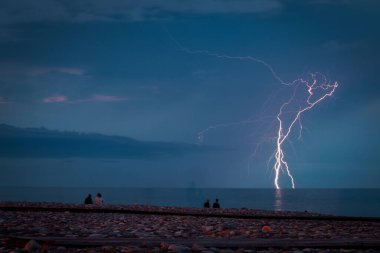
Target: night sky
[[119, 68]]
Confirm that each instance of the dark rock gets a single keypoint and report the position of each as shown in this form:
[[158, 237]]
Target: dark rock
[[197, 247], [32, 245], [108, 249], [61, 249], [178, 248], [164, 246]]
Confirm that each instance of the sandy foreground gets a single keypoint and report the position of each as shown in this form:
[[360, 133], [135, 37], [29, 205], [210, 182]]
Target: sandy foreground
[[56, 227]]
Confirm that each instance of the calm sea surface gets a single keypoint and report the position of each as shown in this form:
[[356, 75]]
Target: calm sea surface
[[351, 202]]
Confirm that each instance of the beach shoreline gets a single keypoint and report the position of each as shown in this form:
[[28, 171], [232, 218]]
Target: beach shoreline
[[143, 228]]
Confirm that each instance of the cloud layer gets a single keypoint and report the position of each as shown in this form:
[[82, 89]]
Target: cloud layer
[[21, 11], [43, 143], [55, 99], [93, 98], [9, 69]]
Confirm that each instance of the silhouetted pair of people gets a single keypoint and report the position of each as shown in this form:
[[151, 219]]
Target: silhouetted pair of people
[[214, 205], [98, 199]]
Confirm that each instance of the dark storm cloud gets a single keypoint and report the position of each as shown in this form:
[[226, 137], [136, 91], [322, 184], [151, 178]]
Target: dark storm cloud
[[21, 11], [344, 2], [41, 143], [24, 11]]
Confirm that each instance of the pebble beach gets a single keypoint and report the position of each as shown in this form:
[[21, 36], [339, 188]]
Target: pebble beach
[[57, 227]]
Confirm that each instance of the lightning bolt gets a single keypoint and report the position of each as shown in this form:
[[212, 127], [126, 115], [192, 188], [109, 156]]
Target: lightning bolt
[[324, 89], [225, 56], [316, 93]]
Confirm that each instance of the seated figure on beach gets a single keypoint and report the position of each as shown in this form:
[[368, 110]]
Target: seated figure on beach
[[88, 199], [216, 204], [206, 204], [99, 199]]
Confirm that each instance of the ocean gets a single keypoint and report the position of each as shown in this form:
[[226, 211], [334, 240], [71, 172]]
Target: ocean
[[347, 202]]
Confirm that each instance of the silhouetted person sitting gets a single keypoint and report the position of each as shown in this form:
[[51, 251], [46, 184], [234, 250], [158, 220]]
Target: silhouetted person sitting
[[206, 204], [88, 199], [216, 204], [99, 199]]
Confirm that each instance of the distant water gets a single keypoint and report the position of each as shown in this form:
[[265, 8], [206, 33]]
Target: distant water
[[350, 202]]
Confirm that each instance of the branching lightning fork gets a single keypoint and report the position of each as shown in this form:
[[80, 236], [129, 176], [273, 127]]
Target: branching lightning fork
[[327, 89], [316, 92]]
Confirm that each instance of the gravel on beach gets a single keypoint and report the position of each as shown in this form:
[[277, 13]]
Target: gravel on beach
[[94, 226]]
